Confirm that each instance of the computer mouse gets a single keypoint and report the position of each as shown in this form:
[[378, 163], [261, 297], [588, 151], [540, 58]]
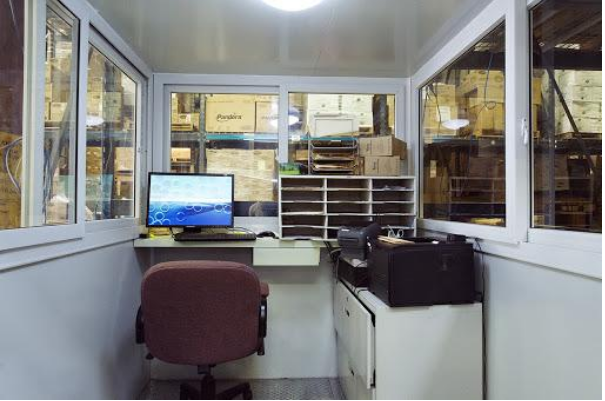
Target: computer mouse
[[266, 234]]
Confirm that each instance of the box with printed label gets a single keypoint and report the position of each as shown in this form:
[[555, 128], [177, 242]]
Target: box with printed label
[[382, 165], [383, 146], [235, 114], [266, 117]]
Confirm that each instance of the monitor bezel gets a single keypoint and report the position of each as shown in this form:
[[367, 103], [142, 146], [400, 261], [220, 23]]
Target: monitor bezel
[[189, 225]]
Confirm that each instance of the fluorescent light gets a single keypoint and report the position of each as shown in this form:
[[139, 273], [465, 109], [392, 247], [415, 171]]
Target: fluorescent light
[[456, 123], [291, 120], [292, 5], [93, 121]]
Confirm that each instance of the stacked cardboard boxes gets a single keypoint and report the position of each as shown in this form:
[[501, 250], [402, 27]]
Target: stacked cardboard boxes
[[254, 171], [439, 105], [582, 91], [382, 155]]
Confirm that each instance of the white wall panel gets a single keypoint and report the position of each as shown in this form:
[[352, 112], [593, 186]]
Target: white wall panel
[[544, 332], [68, 327]]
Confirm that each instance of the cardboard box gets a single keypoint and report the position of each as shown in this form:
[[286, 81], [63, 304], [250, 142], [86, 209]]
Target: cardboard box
[[580, 109], [391, 111], [443, 91], [582, 78], [433, 116], [489, 119], [536, 93], [586, 93], [124, 159], [254, 170], [382, 165], [267, 117], [180, 154], [235, 114], [588, 125], [185, 122], [57, 111], [383, 146], [301, 155]]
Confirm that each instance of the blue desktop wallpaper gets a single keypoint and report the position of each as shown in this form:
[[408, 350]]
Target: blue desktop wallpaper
[[190, 200]]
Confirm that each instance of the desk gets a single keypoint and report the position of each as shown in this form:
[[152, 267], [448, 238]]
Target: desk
[[265, 251]]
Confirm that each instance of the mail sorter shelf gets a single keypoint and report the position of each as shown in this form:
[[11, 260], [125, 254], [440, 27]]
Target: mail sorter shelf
[[316, 207]]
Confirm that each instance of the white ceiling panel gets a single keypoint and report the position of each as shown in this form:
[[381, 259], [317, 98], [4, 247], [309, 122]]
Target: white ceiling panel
[[336, 38]]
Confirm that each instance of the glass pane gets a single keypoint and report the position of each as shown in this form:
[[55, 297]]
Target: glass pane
[[110, 140], [566, 115], [346, 120], [462, 134], [229, 134], [60, 118], [11, 112]]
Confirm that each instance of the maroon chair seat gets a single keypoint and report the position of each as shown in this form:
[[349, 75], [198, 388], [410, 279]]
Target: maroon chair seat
[[203, 313]]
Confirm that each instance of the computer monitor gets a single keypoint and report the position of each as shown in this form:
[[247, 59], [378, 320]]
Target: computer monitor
[[193, 201]]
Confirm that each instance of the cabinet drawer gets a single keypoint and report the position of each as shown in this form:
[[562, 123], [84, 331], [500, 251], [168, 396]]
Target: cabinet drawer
[[285, 256]]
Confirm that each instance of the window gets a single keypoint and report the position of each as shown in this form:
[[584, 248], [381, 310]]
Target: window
[[111, 109], [60, 122], [48, 195], [343, 119], [462, 137], [229, 134], [566, 114]]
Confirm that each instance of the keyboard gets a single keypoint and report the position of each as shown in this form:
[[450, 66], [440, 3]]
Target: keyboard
[[215, 236]]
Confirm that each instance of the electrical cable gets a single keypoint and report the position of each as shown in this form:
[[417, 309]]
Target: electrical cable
[[7, 151], [15, 25]]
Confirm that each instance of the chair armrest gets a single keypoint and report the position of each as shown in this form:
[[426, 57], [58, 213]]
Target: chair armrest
[[140, 327], [264, 289]]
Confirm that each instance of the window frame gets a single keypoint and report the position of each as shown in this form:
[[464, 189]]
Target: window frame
[[569, 251], [398, 91], [569, 239], [204, 89], [101, 43], [33, 126], [516, 106]]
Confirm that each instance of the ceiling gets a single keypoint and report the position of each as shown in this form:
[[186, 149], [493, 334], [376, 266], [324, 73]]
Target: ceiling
[[380, 38]]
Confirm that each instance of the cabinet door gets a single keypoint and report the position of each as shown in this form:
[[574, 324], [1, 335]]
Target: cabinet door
[[361, 337], [346, 376], [339, 309]]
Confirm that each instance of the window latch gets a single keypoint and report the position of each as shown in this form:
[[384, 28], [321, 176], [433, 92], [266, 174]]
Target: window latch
[[525, 131]]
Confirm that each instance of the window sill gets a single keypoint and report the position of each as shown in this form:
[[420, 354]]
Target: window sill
[[571, 252], [94, 226], [14, 239], [499, 234], [40, 252]]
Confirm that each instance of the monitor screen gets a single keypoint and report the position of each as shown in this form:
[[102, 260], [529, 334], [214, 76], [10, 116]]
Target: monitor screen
[[190, 200]]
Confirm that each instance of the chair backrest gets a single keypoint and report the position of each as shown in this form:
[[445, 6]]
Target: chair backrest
[[201, 312]]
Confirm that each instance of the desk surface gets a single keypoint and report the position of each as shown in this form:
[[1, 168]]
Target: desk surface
[[258, 243]]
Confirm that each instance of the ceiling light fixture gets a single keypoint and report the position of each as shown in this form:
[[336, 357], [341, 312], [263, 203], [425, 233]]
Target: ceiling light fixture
[[456, 124], [292, 5]]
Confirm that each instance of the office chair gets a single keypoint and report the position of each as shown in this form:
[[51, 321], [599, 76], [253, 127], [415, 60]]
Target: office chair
[[203, 313]]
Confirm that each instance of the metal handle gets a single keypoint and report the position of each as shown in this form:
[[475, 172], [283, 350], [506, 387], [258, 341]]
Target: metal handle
[[525, 131]]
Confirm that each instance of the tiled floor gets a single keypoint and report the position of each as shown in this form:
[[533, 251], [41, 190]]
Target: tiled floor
[[274, 389]]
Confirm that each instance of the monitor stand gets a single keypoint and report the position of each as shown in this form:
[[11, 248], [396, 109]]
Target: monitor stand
[[192, 229]]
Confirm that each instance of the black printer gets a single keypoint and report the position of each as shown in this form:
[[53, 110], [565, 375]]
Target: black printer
[[426, 272]]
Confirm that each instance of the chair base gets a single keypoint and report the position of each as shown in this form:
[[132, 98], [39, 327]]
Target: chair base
[[208, 391]]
